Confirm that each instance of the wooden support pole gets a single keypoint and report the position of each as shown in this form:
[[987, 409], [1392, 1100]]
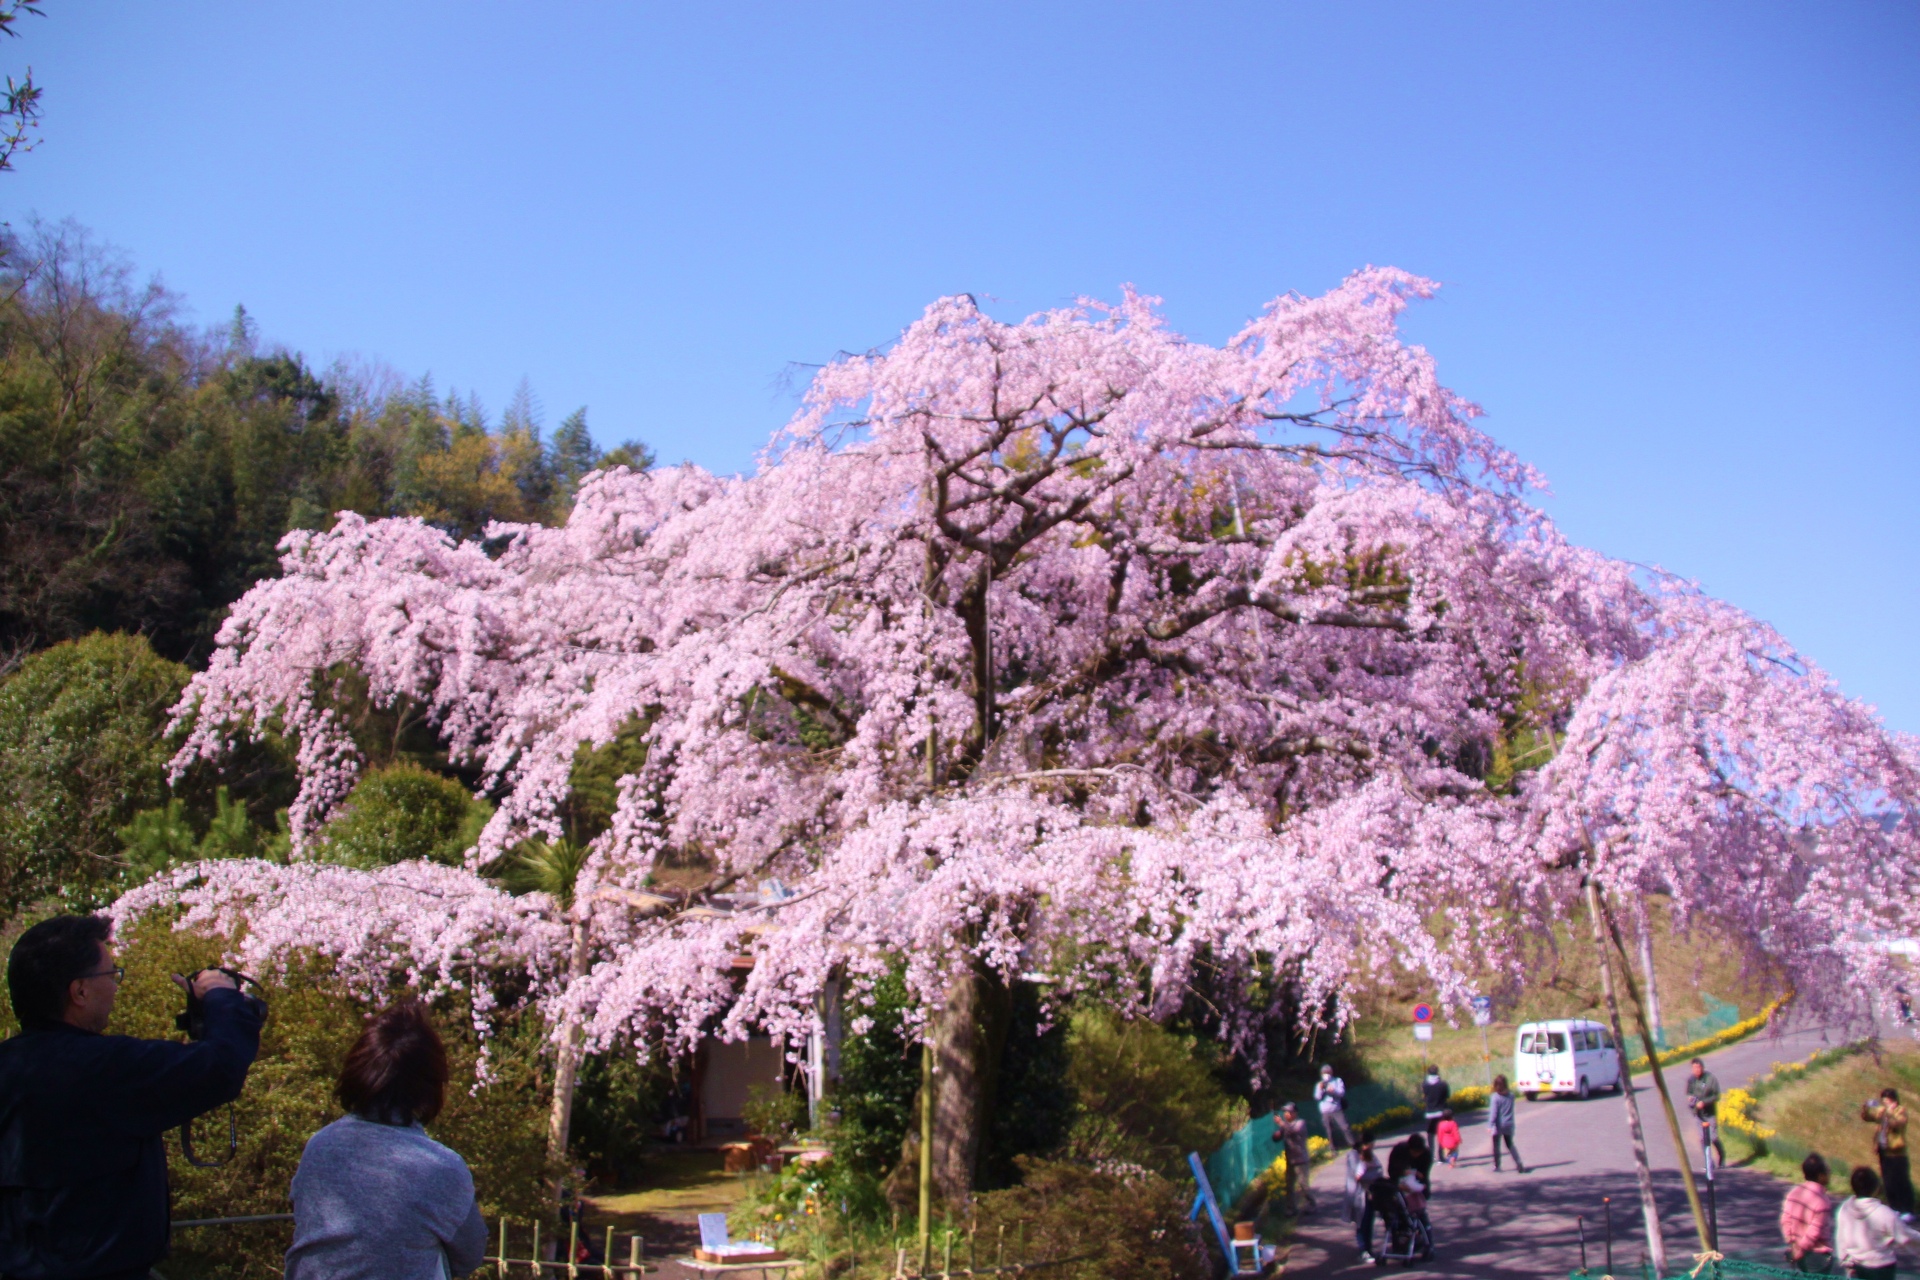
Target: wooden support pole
[[1700, 1222], [926, 1155], [1656, 1241]]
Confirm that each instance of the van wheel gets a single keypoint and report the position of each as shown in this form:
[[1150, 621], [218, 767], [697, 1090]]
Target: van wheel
[[1586, 1091], [1619, 1086], [1530, 1096]]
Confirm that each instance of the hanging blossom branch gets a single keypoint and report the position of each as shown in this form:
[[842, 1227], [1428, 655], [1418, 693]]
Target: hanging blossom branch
[[1026, 649]]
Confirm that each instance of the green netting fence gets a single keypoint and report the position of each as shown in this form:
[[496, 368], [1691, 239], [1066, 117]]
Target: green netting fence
[[1234, 1166], [1722, 1269], [1719, 1016], [1725, 1269]]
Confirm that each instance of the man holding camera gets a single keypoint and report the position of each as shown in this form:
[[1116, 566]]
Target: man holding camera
[[83, 1174]]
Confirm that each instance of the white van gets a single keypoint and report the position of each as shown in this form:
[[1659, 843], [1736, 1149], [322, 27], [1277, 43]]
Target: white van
[[1566, 1055]]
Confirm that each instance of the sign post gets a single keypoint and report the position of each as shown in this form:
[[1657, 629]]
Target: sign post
[[1423, 1021], [1482, 1016]]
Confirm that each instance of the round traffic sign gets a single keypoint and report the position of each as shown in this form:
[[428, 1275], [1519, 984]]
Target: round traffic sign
[[1423, 1013]]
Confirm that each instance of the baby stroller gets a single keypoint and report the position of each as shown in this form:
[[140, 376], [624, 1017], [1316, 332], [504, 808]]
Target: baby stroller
[[1409, 1235]]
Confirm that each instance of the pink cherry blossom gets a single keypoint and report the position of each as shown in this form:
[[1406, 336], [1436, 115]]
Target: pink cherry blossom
[[1068, 646]]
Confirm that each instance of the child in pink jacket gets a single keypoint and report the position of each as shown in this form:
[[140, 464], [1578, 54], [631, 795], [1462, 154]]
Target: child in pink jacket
[[1446, 1137]]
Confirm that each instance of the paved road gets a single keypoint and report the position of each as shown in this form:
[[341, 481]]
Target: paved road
[[1509, 1225]]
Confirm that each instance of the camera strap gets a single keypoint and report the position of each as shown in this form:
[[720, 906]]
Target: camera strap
[[193, 1021]]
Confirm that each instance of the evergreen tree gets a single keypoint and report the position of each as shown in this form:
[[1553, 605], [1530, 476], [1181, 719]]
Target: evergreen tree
[[572, 454]]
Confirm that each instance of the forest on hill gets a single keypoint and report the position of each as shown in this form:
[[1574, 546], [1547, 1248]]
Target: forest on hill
[[149, 469]]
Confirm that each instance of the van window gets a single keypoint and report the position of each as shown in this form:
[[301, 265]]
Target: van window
[[1543, 1042]]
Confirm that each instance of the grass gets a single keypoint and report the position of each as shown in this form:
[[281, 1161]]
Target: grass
[[1822, 1112], [1564, 982], [678, 1182]]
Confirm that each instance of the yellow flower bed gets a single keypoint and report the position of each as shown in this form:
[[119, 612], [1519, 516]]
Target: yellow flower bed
[[1738, 1031], [1387, 1119], [1474, 1095], [1462, 1099], [1274, 1176], [1736, 1105], [1736, 1113]]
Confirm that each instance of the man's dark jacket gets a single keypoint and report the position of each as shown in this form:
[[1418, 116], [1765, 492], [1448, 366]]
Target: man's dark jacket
[[1434, 1093], [83, 1175]]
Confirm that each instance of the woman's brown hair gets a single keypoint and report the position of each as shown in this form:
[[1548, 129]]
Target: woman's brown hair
[[396, 1072]]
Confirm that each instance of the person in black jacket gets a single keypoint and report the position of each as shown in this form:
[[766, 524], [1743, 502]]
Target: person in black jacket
[[1434, 1092], [83, 1175]]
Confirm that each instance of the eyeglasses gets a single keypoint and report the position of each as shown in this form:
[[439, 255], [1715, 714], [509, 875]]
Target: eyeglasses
[[118, 973]]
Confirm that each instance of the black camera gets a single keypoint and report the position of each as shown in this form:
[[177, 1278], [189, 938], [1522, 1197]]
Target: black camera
[[193, 1021]]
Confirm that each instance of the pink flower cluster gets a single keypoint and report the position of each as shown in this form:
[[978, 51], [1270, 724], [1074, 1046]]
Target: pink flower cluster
[[1067, 647]]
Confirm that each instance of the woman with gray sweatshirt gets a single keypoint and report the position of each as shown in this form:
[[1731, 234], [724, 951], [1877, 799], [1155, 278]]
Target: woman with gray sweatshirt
[[1500, 1123], [374, 1197]]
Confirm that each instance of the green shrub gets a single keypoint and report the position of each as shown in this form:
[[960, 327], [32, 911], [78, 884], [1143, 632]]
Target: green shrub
[[81, 753], [879, 1079], [165, 837], [1146, 1095], [772, 1111], [615, 1104], [1111, 1223], [828, 1213], [498, 1126], [404, 812]]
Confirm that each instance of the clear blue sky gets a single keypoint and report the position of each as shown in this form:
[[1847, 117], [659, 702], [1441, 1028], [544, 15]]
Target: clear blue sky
[[1678, 241]]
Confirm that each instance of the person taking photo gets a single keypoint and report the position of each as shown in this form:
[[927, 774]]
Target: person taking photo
[[1890, 1144], [83, 1174]]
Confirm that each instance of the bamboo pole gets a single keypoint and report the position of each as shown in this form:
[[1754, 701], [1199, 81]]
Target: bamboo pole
[[1660, 1082], [926, 1155], [1656, 1241]]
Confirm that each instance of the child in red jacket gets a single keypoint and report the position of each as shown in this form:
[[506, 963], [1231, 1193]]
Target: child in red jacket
[[1446, 1136]]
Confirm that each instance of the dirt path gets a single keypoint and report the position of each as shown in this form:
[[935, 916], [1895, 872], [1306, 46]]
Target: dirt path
[[1508, 1225]]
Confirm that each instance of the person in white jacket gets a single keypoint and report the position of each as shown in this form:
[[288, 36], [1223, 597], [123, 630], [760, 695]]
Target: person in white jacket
[[1866, 1233], [1331, 1093]]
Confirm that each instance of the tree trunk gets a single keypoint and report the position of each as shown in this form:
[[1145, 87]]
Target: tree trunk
[[567, 1067], [968, 1037], [1659, 1081], [1656, 1240]]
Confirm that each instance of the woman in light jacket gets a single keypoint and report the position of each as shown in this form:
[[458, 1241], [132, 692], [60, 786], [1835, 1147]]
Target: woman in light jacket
[[374, 1197], [1866, 1233], [1500, 1123], [1362, 1171]]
